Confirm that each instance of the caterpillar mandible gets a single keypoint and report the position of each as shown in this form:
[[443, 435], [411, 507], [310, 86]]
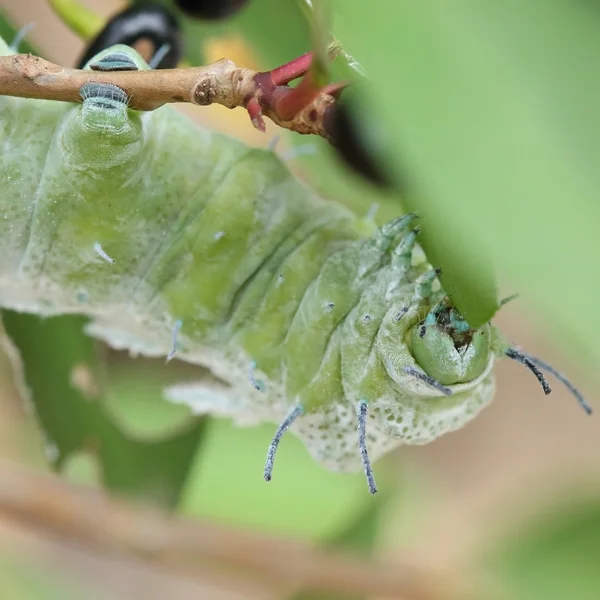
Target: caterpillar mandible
[[179, 241]]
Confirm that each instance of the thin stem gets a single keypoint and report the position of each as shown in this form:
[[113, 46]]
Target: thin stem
[[222, 83], [95, 522]]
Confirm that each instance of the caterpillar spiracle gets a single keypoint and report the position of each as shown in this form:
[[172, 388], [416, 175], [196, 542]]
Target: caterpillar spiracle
[[177, 240]]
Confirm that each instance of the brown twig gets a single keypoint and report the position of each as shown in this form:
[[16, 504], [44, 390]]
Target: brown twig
[[223, 82], [93, 519]]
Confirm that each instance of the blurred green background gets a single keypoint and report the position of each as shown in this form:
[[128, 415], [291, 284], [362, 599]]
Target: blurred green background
[[490, 117]]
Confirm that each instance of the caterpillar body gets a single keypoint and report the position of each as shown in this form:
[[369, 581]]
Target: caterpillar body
[[177, 240]]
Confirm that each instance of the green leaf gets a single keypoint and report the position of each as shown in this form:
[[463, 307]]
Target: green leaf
[[61, 368], [494, 112], [554, 558]]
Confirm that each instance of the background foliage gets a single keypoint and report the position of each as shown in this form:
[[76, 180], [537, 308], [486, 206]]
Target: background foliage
[[487, 118]]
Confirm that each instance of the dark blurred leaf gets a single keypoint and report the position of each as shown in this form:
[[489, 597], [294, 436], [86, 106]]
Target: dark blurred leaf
[[210, 9], [54, 351], [554, 559], [136, 23], [494, 110]]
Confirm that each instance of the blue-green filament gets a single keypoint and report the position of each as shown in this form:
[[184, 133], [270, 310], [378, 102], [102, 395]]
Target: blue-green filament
[[532, 363], [174, 333], [362, 409], [258, 384], [296, 412], [524, 360], [434, 383]]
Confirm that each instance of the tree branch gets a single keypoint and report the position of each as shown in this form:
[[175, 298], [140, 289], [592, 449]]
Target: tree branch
[[223, 82], [93, 519]]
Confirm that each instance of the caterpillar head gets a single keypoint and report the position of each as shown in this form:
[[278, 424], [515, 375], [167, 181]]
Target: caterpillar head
[[447, 349], [412, 367], [436, 372]]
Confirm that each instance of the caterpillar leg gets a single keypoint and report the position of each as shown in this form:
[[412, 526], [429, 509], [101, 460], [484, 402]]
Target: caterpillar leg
[[423, 285], [431, 318], [402, 256], [376, 249]]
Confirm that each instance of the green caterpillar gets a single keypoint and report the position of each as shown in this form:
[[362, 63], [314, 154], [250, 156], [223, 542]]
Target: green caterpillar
[[173, 239]]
